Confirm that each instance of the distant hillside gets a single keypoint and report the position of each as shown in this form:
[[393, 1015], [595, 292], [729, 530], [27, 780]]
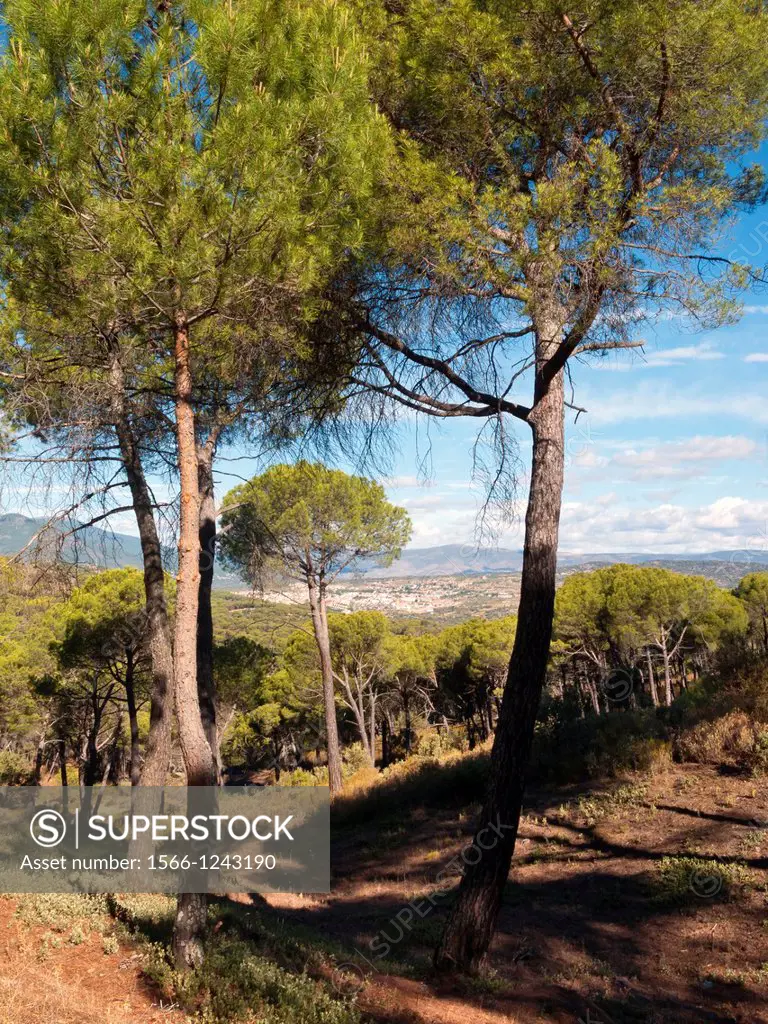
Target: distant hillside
[[465, 560], [89, 546], [105, 550]]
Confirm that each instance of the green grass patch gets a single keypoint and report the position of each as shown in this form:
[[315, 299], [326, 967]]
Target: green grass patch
[[686, 880]]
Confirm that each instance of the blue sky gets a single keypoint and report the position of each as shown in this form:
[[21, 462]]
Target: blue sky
[[671, 455]]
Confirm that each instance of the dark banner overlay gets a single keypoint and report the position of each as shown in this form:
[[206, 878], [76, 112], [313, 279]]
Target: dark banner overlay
[[171, 839]]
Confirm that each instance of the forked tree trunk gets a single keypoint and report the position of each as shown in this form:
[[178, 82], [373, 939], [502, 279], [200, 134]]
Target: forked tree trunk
[[206, 689], [157, 752], [471, 924], [356, 704], [189, 926], [320, 626]]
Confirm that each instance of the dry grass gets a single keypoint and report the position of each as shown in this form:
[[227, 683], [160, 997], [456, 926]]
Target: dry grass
[[733, 739], [33, 994], [46, 979]]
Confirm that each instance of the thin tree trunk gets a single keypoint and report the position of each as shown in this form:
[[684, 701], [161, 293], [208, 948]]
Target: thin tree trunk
[[91, 767], [63, 762], [652, 679], [40, 754], [667, 676], [589, 686], [206, 689], [357, 707], [471, 924], [157, 752], [372, 726], [407, 712], [189, 926], [385, 742], [133, 718], [320, 626]]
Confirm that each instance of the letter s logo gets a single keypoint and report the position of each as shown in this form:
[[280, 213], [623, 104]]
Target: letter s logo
[[48, 828]]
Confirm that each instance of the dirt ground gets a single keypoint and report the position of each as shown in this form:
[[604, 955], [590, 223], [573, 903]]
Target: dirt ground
[[640, 903], [585, 932], [71, 984]]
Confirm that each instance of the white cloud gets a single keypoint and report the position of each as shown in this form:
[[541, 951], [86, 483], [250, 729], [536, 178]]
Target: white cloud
[[404, 481], [756, 357], [664, 402], [683, 458], [705, 351], [728, 523]]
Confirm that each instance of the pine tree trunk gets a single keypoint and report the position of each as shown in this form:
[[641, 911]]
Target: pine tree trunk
[[407, 712], [189, 926], [372, 726], [652, 679], [320, 625], [40, 753], [133, 719], [667, 677], [63, 762], [157, 753], [206, 689], [189, 929], [472, 921]]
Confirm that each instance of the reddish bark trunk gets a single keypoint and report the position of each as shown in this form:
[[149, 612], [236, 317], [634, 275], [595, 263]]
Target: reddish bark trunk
[[189, 926]]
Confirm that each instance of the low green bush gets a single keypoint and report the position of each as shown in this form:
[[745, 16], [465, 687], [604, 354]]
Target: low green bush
[[678, 880], [304, 777], [59, 910], [453, 781], [15, 770], [599, 746], [235, 984]]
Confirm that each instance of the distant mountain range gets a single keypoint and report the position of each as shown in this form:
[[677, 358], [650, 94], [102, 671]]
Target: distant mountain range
[[464, 559], [100, 548], [89, 546]]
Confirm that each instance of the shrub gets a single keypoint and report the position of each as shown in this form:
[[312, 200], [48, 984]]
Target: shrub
[[453, 781], [304, 777], [600, 746], [689, 879], [14, 769], [438, 742], [733, 739], [235, 984], [59, 910], [354, 759]]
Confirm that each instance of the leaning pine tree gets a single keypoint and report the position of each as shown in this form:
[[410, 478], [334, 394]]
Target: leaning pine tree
[[563, 175], [182, 175]]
